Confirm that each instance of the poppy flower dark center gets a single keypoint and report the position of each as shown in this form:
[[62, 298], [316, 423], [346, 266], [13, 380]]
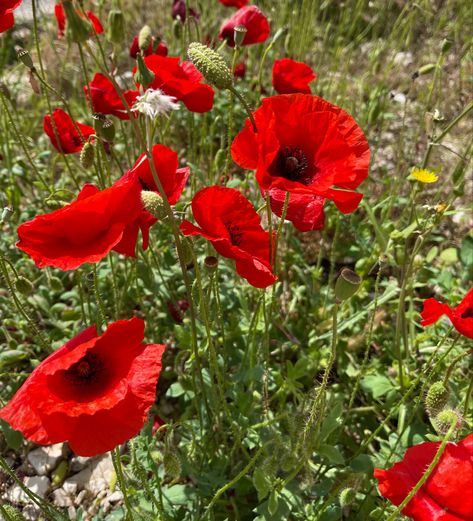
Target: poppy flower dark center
[[292, 164], [236, 235], [76, 139], [468, 313], [85, 370]]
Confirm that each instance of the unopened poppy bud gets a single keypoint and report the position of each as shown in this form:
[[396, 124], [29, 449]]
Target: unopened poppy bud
[[87, 155], [446, 45], [436, 398], [346, 497], [239, 33], [172, 464], [116, 26], [177, 28], [187, 251], [211, 65], [24, 56], [59, 474], [143, 75], [13, 513], [347, 284], [104, 127], [144, 38], [211, 263], [78, 28], [24, 286], [425, 69], [153, 203], [56, 284], [445, 419]]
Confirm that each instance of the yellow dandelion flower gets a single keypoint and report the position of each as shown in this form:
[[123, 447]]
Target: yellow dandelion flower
[[423, 176]]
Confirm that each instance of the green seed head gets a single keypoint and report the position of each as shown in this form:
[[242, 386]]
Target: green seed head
[[211, 65], [445, 419]]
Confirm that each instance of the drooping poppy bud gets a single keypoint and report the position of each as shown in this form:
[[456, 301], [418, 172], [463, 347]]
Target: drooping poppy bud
[[143, 75], [78, 28], [116, 26], [436, 398], [145, 38]]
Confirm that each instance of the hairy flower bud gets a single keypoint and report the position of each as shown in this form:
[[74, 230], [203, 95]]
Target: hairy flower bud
[[153, 203], [172, 463], [347, 284], [446, 419], [144, 38], [436, 398], [24, 286], [116, 26], [143, 75], [211, 65], [346, 496], [87, 155]]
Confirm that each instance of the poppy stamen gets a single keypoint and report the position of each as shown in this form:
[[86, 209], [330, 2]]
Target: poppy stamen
[[236, 235], [85, 369], [292, 164], [468, 313]]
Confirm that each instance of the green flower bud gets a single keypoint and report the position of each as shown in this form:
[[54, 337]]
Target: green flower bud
[[153, 203], [78, 28], [446, 45], [143, 75], [346, 497], [24, 286], [187, 251], [6, 214], [211, 65], [86, 157], [445, 419], [13, 513], [436, 398], [172, 464], [144, 38], [347, 284], [116, 26], [59, 474], [104, 127]]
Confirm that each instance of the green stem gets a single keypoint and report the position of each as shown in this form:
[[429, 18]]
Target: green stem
[[117, 463]]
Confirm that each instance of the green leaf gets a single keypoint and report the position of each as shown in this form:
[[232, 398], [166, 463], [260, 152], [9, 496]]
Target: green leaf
[[466, 251], [13, 438], [362, 463], [262, 483], [331, 454], [273, 503], [377, 385]]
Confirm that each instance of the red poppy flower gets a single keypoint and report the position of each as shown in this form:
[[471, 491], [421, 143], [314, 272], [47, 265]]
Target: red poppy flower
[[166, 162], [88, 228], [70, 141], [439, 498], [460, 316], [179, 9], [61, 20], [305, 146], [250, 17], [229, 221], [6, 14], [181, 80], [240, 70], [105, 98], [177, 309], [94, 392], [161, 49], [234, 3], [290, 77]]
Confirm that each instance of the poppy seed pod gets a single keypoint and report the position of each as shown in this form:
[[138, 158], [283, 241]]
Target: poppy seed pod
[[143, 75], [211, 263], [239, 33], [116, 26], [145, 37], [347, 284], [211, 65], [153, 203], [24, 56], [78, 28], [436, 398]]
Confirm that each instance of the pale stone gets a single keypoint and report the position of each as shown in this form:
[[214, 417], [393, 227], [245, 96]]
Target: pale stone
[[45, 459]]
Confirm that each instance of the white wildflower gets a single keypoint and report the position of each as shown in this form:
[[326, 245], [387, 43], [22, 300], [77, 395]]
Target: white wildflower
[[154, 102]]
